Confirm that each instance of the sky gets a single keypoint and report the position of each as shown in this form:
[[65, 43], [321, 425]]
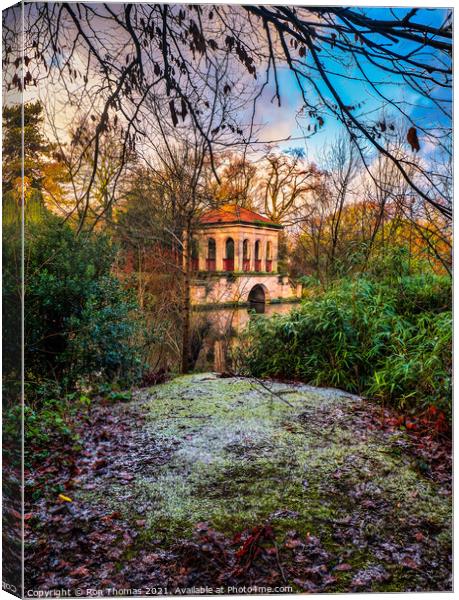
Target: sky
[[278, 123], [282, 122]]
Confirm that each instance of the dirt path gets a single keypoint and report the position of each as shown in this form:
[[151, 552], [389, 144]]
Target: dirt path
[[214, 482]]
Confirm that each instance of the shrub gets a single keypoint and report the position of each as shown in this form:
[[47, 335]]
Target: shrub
[[388, 339], [420, 373], [81, 325]]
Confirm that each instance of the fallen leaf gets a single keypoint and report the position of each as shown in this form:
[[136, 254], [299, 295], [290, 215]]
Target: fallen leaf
[[409, 563], [292, 543], [80, 572], [343, 567], [64, 498], [114, 515]]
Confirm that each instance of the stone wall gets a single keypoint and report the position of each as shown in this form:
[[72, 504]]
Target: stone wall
[[222, 289]]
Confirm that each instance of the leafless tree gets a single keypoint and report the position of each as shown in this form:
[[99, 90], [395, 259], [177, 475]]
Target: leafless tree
[[171, 214], [177, 162], [284, 180], [236, 179], [114, 57], [76, 159], [310, 248], [390, 200], [341, 166]]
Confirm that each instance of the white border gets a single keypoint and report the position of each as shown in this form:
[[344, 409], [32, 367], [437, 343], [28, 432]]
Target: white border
[[374, 3]]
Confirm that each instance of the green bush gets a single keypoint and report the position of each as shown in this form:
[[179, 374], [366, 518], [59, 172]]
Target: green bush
[[388, 339], [81, 326], [420, 373]]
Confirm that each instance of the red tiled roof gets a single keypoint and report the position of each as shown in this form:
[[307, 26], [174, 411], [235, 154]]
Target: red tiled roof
[[231, 213]]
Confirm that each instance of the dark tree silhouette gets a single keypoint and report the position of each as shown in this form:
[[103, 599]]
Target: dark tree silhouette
[[109, 58]]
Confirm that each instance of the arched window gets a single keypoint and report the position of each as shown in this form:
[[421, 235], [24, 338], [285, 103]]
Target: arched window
[[269, 257], [245, 256], [211, 254], [257, 298], [228, 262], [194, 255], [257, 256]]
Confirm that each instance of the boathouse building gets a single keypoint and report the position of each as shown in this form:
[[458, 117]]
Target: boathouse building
[[235, 259]]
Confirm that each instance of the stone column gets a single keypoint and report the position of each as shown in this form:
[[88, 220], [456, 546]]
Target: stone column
[[249, 251], [202, 252], [263, 254], [254, 255], [220, 250], [237, 253], [275, 250]]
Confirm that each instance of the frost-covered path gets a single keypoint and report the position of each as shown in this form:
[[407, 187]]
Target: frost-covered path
[[219, 482]]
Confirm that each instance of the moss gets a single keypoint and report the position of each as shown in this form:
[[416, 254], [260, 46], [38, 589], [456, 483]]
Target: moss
[[242, 456]]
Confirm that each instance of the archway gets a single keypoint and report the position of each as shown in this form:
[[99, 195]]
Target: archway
[[257, 256], [194, 255], [228, 261], [257, 298], [211, 254]]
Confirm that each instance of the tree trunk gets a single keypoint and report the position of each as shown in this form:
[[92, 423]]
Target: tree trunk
[[140, 285], [336, 222], [186, 313], [219, 357]]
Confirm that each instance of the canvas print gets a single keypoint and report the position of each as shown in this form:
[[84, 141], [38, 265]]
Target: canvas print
[[227, 271]]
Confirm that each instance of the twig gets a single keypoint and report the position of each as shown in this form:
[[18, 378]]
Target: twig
[[279, 563], [260, 382]]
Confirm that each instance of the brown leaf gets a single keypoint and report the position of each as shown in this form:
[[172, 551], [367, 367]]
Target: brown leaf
[[173, 113], [343, 567], [292, 543], [79, 572], [412, 137], [113, 515], [409, 563]]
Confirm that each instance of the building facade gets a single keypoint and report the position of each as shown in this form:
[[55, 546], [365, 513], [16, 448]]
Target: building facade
[[235, 259]]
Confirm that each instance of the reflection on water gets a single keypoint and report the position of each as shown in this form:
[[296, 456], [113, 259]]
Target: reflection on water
[[219, 328], [258, 307], [226, 320]]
